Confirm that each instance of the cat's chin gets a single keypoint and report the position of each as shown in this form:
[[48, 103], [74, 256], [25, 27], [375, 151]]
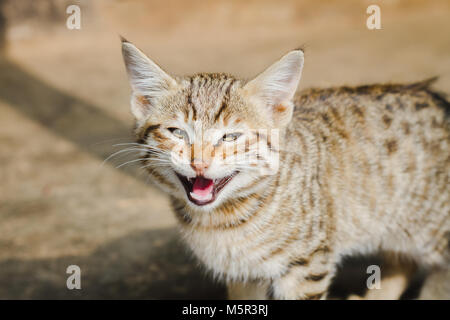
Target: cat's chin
[[202, 191]]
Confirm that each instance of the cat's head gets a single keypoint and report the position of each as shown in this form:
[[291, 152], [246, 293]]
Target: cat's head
[[209, 138]]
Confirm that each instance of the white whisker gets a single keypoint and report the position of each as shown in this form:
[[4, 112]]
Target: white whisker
[[131, 161]]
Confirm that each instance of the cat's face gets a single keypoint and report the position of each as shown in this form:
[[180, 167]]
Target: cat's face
[[208, 138]]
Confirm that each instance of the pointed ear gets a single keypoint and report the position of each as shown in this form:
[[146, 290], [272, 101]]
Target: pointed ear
[[276, 86], [147, 79]]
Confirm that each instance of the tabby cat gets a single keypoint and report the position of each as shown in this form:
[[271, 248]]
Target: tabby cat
[[272, 187]]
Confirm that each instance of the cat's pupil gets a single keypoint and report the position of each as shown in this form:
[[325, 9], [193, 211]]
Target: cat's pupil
[[230, 137]]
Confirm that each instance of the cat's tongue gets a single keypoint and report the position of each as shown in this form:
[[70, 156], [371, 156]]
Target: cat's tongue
[[202, 187]]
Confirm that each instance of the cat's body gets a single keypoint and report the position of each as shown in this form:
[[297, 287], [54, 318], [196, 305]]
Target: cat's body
[[361, 170]]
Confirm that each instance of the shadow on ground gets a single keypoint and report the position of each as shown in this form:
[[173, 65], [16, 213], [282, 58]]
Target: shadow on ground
[[67, 116], [143, 265]]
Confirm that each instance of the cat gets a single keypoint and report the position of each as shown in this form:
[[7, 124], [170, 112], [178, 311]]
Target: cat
[[332, 172]]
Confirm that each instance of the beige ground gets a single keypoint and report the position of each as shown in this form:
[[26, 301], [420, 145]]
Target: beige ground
[[64, 103]]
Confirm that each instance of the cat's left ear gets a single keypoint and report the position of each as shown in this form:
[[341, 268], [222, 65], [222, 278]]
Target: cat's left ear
[[276, 86], [147, 80]]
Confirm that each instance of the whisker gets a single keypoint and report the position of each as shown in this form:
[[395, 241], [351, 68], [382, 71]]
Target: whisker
[[121, 151], [131, 161], [110, 140]]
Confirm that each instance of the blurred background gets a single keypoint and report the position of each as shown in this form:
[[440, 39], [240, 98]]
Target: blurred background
[[64, 106]]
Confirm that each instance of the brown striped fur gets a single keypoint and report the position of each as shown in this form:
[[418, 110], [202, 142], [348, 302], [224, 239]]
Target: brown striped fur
[[362, 169]]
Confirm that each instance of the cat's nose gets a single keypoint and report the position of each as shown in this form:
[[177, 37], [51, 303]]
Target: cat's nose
[[199, 166]]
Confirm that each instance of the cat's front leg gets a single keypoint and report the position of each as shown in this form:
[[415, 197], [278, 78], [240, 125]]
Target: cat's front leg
[[303, 281], [254, 290]]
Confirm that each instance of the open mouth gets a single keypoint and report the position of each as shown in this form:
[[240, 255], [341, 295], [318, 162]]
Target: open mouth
[[201, 190]]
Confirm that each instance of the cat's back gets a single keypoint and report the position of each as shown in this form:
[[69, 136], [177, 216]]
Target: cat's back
[[389, 115], [384, 157]]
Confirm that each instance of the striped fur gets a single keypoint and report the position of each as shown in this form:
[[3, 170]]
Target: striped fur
[[361, 169]]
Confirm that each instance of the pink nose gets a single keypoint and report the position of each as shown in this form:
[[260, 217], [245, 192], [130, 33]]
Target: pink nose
[[199, 166]]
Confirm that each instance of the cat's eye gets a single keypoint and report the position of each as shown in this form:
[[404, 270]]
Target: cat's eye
[[179, 133], [231, 136]]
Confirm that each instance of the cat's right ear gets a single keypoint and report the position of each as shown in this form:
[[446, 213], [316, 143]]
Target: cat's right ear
[[147, 80], [276, 86]]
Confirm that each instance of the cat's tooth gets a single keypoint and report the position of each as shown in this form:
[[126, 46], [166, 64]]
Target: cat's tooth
[[197, 197]]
